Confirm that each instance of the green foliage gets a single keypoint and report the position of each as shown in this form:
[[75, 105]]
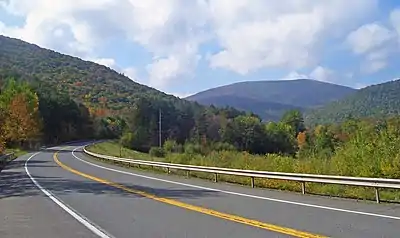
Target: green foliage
[[127, 139], [170, 146], [63, 118], [83, 81], [191, 148], [377, 101], [12, 88], [157, 152], [247, 133], [281, 138], [222, 146], [110, 127], [294, 118]]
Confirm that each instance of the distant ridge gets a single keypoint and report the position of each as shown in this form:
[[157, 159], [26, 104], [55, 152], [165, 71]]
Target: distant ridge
[[270, 99]]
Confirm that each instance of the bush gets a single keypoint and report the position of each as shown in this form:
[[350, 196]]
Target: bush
[[221, 146], [193, 148], [157, 152], [170, 146], [126, 140]]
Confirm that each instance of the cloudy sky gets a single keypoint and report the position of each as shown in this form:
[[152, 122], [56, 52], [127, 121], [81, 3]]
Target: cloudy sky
[[185, 46]]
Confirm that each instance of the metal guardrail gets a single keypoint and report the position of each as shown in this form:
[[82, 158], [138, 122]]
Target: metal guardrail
[[301, 178]]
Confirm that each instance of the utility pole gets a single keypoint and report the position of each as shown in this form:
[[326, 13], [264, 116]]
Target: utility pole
[[159, 128]]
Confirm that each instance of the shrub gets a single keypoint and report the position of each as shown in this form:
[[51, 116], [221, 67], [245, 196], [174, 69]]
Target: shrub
[[192, 148], [222, 146], [126, 140], [170, 146], [157, 152]]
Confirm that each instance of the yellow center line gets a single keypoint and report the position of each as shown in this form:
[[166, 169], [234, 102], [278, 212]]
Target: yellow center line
[[226, 216]]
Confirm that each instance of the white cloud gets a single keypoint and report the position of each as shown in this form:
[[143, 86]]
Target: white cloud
[[319, 73], [376, 43], [131, 73], [109, 62], [360, 85], [369, 37], [295, 75], [164, 70], [182, 95], [395, 20], [58, 24], [256, 34], [323, 74]]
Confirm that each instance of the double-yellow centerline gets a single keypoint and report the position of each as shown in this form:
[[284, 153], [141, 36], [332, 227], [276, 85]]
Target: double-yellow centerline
[[230, 217]]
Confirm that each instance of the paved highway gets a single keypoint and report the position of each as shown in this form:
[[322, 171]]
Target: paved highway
[[61, 192]]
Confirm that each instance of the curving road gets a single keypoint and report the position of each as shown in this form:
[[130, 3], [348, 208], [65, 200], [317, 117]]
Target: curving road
[[60, 192]]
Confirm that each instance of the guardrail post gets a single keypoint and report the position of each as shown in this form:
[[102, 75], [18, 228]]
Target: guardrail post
[[168, 171], [303, 187], [188, 173], [215, 177], [252, 182], [378, 200]]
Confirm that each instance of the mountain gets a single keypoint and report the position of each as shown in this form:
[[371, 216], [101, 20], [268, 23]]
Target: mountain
[[271, 110], [84, 81], [270, 99], [376, 101]]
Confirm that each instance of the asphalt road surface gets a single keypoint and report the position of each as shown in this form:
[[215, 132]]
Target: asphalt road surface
[[61, 192]]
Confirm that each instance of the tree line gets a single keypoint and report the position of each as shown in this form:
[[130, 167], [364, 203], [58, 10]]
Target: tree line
[[209, 126]]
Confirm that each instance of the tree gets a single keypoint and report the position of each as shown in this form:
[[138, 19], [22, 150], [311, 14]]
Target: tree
[[246, 133], [281, 138], [324, 143], [2, 130], [22, 122], [19, 104], [295, 119], [301, 139]]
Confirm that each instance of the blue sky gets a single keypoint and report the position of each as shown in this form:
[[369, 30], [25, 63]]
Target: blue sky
[[185, 46]]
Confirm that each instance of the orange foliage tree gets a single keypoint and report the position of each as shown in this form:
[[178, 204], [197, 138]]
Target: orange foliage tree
[[301, 139], [2, 127], [22, 121]]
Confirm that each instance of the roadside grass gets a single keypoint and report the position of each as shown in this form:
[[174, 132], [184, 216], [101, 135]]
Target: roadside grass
[[17, 152], [270, 162]]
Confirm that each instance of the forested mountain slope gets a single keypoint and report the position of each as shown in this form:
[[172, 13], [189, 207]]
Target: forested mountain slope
[[376, 101], [84, 81], [270, 99]]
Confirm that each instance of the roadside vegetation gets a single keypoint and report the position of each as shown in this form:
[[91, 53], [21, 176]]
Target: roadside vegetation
[[365, 148]]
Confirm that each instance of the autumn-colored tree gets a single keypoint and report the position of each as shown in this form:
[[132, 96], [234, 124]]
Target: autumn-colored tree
[[102, 100], [78, 84], [2, 136], [301, 139], [22, 121]]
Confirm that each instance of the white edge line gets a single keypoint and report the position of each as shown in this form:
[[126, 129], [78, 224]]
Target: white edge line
[[240, 194], [80, 218]]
